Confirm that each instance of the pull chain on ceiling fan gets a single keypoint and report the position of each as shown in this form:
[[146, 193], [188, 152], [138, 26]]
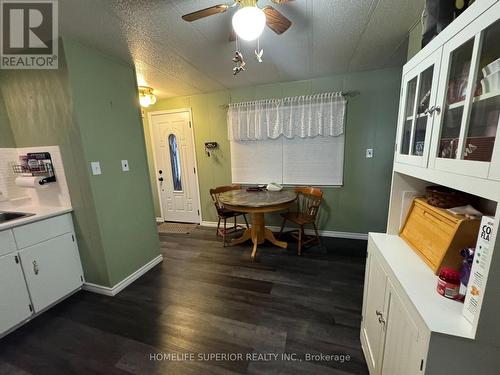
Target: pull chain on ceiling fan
[[249, 21]]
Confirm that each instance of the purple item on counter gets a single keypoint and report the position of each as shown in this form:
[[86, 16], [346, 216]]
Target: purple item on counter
[[468, 255]]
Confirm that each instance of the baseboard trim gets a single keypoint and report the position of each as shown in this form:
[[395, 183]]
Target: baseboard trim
[[323, 233], [113, 291], [160, 220]]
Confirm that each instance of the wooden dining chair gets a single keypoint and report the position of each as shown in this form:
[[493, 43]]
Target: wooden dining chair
[[225, 213], [308, 202]]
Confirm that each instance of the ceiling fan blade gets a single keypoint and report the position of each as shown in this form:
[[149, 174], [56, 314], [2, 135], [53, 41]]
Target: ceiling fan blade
[[190, 17], [275, 20], [281, 1]]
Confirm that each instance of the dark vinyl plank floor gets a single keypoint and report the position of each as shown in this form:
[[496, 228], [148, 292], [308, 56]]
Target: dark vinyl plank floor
[[206, 299]]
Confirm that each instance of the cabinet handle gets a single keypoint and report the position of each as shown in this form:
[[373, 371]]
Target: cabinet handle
[[431, 110], [381, 320], [35, 267]]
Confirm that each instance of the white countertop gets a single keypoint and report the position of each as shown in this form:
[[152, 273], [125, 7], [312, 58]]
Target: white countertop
[[25, 206], [419, 282]]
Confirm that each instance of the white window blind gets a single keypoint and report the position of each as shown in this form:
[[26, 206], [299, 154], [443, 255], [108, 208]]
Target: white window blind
[[290, 141]]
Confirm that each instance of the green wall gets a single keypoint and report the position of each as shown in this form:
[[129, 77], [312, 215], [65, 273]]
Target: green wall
[[6, 136], [414, 40], [107, 112], [40, 109], [358, 206], [88, 107]]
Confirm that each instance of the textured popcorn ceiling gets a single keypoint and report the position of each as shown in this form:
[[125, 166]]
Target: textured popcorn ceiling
[[180, 58]]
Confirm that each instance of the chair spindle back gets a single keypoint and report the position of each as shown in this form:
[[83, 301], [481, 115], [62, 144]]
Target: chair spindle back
[[308, 201], [214, 193]]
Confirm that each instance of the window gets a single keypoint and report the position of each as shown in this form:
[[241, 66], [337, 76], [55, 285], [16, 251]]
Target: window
[[310, 161], [175, 162], [295, 141]]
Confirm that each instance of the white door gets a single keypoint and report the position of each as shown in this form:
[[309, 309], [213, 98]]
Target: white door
[[175, 166], [52, 269], [402, 352], [372, 329], [14, 298]]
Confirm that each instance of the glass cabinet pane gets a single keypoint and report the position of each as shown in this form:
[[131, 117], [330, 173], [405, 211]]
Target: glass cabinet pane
[[455, 99], [408, 116], [175, 162], [485, 109], [424, 96]]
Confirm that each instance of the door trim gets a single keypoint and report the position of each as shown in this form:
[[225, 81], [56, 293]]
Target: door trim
[[153, 148]]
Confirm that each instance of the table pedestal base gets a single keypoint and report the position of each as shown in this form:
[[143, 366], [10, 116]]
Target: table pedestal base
[[258, 233]]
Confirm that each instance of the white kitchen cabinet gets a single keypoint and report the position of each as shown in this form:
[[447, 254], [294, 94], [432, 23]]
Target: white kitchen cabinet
[[469, 101], [449, 110], [417, 107], [42, 266], [425, 333], [15, 305], [393, 337], [52, 269], [402, 353], [372, 331]]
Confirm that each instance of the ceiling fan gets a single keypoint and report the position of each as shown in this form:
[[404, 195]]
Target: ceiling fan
[[249, 21]]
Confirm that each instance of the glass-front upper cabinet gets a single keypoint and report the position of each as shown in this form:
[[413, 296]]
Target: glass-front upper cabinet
[[469, 101], [416, 113]]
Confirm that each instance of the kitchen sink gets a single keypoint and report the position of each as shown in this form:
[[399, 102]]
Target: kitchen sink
[[8, 216]]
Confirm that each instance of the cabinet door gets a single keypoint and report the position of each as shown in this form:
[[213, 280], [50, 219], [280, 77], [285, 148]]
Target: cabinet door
[[416, 115], [402, 349], [52, 269], [14, 298], [469, 99], [372, 330]]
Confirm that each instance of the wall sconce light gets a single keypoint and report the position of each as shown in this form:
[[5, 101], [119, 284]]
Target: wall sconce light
[[146, 96]]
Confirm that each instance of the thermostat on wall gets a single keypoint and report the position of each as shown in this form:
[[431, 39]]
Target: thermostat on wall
[[210, 146]]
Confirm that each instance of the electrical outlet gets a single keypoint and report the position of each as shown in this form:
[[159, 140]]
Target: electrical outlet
[[125, 166], [96, 168], [369, 153]]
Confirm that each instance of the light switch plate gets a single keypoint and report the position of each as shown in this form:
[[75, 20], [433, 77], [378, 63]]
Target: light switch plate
[[125, 166], [369, 153], [96, 168]]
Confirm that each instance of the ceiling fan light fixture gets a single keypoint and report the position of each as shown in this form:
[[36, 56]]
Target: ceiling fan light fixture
[[249, 22], [146, 96]]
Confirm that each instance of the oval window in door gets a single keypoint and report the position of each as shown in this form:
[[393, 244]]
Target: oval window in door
[[175, 162]]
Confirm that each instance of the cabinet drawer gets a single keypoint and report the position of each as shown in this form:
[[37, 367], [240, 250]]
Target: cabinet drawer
[[7, 243], [43, 230]]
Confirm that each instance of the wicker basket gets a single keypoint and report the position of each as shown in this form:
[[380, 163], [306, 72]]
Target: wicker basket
[[443, 197]]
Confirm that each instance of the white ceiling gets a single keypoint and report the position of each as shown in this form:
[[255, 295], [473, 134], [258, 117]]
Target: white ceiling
[[180, 58]]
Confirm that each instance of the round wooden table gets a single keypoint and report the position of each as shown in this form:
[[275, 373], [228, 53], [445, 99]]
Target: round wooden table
[[257, 204]]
